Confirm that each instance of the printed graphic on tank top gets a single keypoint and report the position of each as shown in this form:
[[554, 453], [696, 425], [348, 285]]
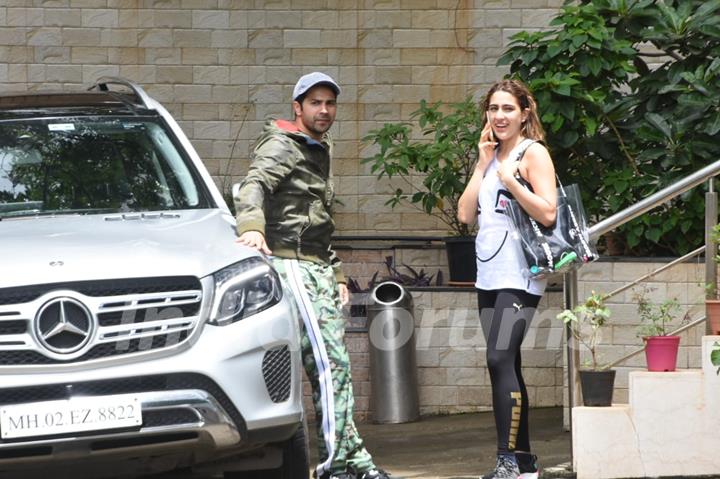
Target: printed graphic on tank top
[[500, 263]]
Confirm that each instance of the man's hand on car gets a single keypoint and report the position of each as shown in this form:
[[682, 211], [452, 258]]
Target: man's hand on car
[[344, 293], [254, 239]]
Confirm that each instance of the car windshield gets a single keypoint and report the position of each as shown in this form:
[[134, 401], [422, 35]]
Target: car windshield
[[92, 165]]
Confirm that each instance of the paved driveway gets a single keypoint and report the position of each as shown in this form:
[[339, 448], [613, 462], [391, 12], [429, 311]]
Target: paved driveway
[[458, 446]]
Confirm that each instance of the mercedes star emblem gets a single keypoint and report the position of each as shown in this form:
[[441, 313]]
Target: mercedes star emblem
[[64, 325]]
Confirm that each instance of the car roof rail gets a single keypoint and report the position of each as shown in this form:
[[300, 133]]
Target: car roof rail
[[142, 97]]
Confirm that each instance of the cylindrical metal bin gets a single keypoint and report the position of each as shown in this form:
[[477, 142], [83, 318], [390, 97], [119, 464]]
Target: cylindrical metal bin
[[393, 370]]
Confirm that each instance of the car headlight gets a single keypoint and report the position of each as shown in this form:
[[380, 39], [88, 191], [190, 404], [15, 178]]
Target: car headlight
[[244, 289]]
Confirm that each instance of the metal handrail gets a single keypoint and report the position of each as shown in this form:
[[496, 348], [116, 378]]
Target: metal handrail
[[656, 199], [622, 217], [653, 273], [648, 276]]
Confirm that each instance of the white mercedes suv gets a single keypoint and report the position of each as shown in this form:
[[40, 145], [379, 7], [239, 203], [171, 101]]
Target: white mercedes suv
[[136, 336]]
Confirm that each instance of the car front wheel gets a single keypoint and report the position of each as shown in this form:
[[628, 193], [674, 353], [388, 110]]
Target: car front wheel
[[295, 462]]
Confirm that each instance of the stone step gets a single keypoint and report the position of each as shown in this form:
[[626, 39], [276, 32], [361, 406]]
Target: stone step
[[669, 427]]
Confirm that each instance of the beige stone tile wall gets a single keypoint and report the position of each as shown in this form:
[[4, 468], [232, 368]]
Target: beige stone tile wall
[[450, 354], [450, 347], [429, 261], [453, 375], [685, 282], [223, 66]]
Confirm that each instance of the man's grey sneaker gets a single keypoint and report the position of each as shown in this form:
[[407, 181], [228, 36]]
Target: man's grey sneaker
[[527, 464], [506, 467], [338, 475], [375, 474]]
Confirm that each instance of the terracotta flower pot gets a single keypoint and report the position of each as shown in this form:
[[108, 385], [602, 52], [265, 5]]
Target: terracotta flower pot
[[712, 311], [661, 352]]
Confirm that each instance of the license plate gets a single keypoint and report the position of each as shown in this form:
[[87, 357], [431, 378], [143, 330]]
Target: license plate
[[69, 416]]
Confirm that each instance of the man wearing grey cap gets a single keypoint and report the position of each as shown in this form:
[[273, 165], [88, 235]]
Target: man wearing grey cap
[[284, 210]]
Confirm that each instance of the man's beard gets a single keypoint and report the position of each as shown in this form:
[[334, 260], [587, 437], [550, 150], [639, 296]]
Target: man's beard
[[315, 129]]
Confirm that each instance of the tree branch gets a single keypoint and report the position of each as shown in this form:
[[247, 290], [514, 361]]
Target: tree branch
[[630, 159]]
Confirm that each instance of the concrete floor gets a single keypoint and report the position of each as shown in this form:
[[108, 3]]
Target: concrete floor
[[458, 446]]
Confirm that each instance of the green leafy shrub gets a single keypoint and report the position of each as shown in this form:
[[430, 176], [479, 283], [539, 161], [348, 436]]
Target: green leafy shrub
[[656, 318], [629, 91], [586, 322], [436, 169]]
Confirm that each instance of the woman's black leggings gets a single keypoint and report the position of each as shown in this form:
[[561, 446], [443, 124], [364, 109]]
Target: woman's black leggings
[[505, 316]]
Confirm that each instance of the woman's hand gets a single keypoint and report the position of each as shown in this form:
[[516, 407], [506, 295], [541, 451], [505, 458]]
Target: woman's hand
[[486, 149], [506, 171], [468, 201]]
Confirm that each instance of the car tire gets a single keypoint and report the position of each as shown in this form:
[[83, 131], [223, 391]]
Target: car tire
[[295, 457], [295, 462]]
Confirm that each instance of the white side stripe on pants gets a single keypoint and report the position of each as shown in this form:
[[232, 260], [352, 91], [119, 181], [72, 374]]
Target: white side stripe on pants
[[327, 393]]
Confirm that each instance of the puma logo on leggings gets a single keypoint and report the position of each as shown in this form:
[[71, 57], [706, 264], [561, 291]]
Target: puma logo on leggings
[[515, 418]]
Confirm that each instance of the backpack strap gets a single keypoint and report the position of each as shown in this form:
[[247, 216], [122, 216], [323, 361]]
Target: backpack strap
[[525, 144]]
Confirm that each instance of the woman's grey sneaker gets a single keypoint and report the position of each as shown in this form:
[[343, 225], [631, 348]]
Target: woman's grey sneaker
[[527, 464], [506, 467]]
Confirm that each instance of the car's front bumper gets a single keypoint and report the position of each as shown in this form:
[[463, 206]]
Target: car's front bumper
[[219, 391]]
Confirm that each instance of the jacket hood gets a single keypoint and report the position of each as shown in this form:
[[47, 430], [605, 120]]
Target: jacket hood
[[287, 128], [55, 249]]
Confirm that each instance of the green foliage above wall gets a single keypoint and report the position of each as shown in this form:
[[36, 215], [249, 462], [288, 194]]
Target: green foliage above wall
[[444, 159], [629, 92]]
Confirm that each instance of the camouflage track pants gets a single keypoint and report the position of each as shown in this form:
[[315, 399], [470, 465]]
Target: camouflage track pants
[[327, 364]]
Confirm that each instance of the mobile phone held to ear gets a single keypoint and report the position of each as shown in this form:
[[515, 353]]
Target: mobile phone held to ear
[[492, 136]]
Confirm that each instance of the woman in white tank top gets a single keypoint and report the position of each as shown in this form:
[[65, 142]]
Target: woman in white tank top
[[507, 296]]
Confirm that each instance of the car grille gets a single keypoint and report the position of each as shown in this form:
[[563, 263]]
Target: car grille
[[131, 316], [276, 368], [139, 384], [108, 287]]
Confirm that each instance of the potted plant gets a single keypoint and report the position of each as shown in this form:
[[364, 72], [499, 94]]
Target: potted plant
[[434, 170], [586, 322], [712, 301], [712, 308], [660, 348]]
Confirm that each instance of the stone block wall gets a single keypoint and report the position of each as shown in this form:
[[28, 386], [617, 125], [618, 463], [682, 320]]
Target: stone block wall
[[450, 354], [429, 260], [223, 66], [685, 282], [450, 347]]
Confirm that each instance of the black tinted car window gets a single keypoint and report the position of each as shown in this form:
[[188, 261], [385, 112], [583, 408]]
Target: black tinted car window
[[92, 165]]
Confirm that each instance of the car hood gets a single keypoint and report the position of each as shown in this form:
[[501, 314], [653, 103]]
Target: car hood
[[74, 248]]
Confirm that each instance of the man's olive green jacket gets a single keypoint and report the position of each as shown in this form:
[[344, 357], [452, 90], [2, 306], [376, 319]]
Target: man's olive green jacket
[[288, 195]]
